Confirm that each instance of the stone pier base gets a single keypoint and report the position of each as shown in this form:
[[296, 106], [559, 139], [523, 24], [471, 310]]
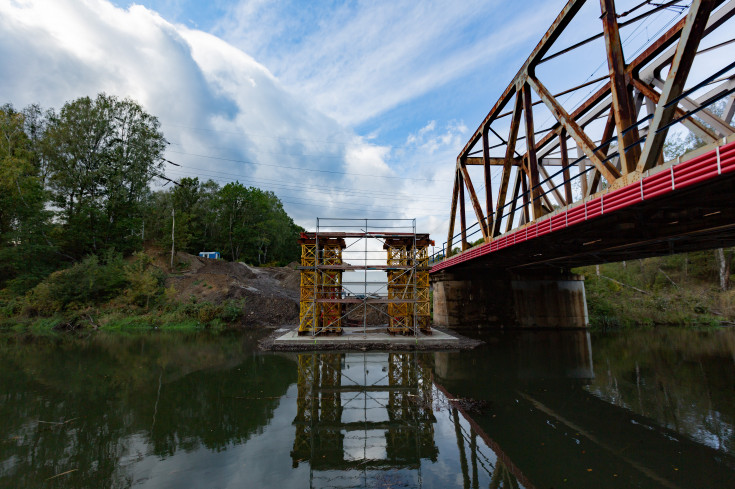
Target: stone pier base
[[478, 298]]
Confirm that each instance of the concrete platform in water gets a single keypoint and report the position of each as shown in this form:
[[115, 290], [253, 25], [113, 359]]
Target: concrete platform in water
[[370, 339]]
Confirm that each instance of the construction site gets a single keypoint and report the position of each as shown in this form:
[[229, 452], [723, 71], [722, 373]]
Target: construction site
[[353, 269], [328, 302]]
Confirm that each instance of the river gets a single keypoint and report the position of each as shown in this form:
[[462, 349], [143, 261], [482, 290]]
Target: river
[[567, 409]]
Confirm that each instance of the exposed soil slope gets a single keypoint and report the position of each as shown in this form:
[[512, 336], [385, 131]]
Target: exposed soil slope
[[270, 294]]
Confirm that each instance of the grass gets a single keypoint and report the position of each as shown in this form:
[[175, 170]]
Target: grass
[[169, 316], [674, 290]]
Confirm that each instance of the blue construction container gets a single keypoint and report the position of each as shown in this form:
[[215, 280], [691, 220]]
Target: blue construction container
[[210, 254]]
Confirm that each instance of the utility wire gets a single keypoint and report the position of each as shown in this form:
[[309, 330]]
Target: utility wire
[[279, 184], [341, 205], [336, 172]]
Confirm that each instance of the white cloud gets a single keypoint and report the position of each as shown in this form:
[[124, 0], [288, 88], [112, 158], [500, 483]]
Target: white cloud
[[360, 59], [213, 100], [220, 103]]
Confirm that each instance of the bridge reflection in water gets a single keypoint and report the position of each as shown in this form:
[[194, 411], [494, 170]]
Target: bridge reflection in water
[[369, 419]]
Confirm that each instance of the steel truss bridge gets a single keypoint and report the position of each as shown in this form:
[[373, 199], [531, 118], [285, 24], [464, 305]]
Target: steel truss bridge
[[594, 186]]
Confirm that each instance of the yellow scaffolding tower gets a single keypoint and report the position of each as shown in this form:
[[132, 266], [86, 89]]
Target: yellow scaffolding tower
[[331, 288], [423, 296], [408, 285], [400, 287], [320, 287], [308, 307], [326, 301]]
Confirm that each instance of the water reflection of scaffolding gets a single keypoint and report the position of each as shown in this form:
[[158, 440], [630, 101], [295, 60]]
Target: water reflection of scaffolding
[[367, 420], [361, 416]]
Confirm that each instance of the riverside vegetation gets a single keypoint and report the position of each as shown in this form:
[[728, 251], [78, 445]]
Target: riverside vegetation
[[684, 290], [77, 206]]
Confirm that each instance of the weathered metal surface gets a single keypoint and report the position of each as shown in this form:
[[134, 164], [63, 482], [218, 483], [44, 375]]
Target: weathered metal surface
[[452, 214], [618, 153], [488, 185], [580, 137], [691, 123], [473, 198], [508, 163], [689, 39], [462, 216], [565, 167], [532, 161], [621, 93]]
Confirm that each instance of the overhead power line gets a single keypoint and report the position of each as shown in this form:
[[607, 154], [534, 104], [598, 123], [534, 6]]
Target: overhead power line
[[202, 172], [316, 170], [334, 201]]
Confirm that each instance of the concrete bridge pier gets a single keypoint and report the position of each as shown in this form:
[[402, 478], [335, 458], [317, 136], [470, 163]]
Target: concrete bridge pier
[[479, 298]]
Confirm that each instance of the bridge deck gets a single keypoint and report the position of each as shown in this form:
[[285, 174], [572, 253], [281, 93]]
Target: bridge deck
[[680, 206]]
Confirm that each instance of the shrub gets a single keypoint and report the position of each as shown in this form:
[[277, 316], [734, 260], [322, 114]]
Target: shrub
[[207, 312], [145, 282], [85, 283], [231, 311]]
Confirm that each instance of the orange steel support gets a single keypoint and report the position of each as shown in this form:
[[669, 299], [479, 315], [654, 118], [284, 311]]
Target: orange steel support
[[573, 153]]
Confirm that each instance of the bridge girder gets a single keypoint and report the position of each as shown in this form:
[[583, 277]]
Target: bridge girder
[[544, 168]]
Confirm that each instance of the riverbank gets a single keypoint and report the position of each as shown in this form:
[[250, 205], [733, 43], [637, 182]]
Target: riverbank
[[143, 293], [677, 290]]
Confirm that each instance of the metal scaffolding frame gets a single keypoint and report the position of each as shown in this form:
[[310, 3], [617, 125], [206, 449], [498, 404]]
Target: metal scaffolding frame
[[327, 300]]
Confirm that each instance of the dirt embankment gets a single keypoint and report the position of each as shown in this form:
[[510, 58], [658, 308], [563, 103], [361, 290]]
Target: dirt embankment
[[270, 295]]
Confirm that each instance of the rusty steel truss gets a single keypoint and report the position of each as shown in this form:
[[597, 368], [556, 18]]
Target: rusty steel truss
[[611, 155], [328, 303]]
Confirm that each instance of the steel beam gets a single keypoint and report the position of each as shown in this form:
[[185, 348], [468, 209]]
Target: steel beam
[[514, 206], [565, 166], [491, 161], [690, 123], [473, 198], [550, 188], [509, 150], [524, 188], [552, 34], [689, 39], [729, 110], [718, 125], [667, 50], [580, 137], [488, 185], [621, 94], [462, 217], [531, 154], [452, 215], [607, 134]]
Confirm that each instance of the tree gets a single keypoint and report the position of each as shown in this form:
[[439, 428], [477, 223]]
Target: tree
[[234, 217], [677, 145], [254, 227], [101, 155], [26, 256]]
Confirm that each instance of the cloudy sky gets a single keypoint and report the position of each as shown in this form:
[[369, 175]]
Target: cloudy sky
[[342, 108]]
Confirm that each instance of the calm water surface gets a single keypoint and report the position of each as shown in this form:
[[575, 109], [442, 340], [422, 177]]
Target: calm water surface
[[528, 410]]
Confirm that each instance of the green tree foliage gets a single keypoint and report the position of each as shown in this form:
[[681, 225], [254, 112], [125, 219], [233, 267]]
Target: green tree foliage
[[242, 223], [26, 256], [75, 188], [101, 155], [88, 282]]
